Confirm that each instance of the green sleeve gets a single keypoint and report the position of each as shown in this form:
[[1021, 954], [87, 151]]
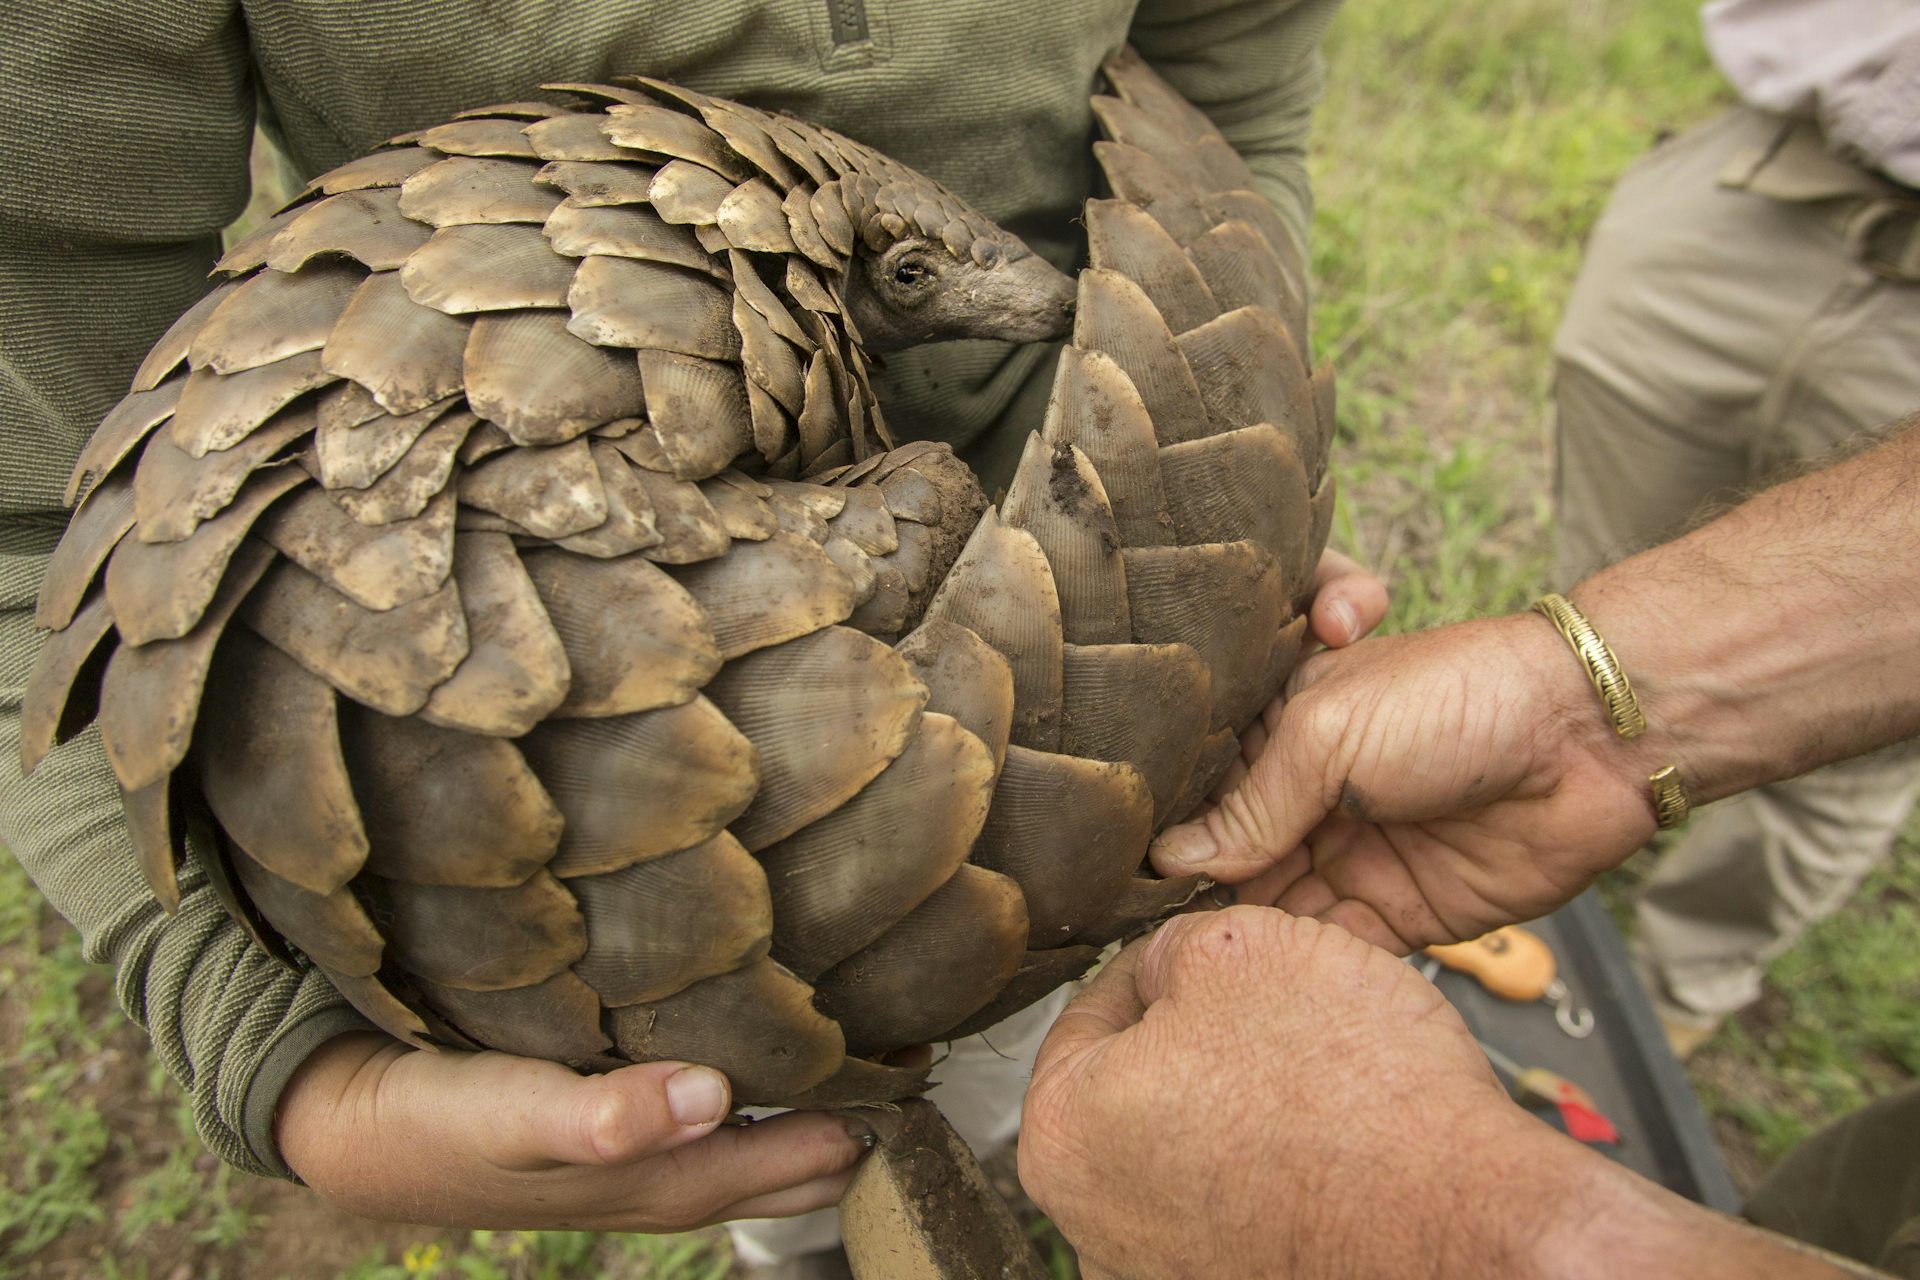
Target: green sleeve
[[128, 154], [1254, 67]]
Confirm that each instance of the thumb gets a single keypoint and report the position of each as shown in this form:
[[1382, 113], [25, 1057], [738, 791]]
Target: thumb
[[1146, 972], [1105, 1007], [1211, 955], [610, 1119], [1265, 815], [1348, 601]]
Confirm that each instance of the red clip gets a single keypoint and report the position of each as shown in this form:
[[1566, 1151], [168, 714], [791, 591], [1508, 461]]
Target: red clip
[[1584, 1124]]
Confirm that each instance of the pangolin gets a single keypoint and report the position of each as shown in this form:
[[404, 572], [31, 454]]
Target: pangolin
[[506, 586]]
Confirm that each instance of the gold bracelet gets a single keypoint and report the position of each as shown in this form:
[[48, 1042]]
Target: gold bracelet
[[1603, 669], [1670, 803]]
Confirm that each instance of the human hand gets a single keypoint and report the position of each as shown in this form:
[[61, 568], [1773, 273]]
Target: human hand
[[487, 1140], [1249, 1093], [1348, 601], [1426, 788]]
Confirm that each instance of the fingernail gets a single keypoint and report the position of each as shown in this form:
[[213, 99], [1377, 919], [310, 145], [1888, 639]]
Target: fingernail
[[1182, 847], [696, 1096], [1345, 618]]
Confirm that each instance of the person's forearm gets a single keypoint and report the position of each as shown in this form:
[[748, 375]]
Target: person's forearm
[[1780, 637], [1612, 1222], [1505, 1195], [1528, 1201]]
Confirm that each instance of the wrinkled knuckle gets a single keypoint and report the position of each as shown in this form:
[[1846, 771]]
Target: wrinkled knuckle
[[1248, 819], [1257, 933], [1305, 674], [1304, 930], [612, 1124], [1317, 720], [1310, 936], [1265, 926], [1302, 939], [1219, 939], [1332, 945]]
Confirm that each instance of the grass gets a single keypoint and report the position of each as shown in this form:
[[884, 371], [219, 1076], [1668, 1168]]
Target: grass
[[55, 1135], [1462, 152], [103, 1171], [1464, 148], [552, 1255], [1835, 1030]]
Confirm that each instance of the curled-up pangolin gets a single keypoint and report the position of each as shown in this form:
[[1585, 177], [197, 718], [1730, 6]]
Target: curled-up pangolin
[[507, 574]]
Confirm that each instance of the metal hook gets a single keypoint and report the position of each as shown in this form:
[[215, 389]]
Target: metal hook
[[1575, 1020]]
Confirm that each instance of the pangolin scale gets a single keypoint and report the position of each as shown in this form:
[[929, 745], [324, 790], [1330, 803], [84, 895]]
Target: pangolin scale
[[507, 576]]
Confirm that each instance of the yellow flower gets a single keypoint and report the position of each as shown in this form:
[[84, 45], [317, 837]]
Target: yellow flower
[[421, 1259]]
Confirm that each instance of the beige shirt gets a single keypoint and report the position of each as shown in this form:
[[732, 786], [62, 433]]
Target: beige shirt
[[1852, 66]]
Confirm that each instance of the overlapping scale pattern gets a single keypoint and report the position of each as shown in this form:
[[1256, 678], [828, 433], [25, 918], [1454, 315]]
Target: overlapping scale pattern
[[509, 565]]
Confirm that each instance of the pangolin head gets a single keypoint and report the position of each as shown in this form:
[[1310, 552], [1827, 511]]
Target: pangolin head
[[928, 267]]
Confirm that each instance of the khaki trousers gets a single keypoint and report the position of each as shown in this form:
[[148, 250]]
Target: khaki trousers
[[1727, 324], [1853, 1187]]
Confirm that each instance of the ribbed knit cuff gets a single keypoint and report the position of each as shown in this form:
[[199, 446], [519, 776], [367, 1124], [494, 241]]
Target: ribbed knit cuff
[[291, 1048]]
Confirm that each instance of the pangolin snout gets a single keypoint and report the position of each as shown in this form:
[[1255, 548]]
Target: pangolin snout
[[1033, 299]]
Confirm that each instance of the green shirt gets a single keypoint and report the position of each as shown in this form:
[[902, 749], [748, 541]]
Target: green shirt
[[127, 152]]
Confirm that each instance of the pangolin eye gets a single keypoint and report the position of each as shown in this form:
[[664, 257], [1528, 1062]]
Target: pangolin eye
[[909, 273]]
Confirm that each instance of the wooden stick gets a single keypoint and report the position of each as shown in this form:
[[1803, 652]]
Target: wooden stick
[[921, 1208]]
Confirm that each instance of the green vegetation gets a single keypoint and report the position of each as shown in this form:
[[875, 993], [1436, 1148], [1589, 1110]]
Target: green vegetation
[[1464, 149], [1462, 152], [1836, 1029], [55, 1134], [553, 1255]]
